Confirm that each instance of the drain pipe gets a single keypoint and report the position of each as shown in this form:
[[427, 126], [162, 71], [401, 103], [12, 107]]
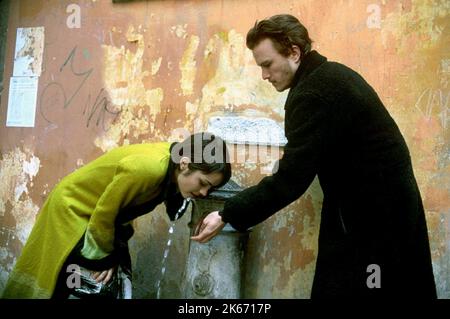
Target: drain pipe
[[214, 269]]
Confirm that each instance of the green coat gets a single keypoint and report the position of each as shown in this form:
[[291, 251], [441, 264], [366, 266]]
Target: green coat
[[87, 202]]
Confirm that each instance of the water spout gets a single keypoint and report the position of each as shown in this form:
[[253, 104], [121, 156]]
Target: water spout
[[169, 243]]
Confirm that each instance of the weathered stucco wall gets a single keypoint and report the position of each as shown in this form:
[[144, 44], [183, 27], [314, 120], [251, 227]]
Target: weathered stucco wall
[[138, 71]]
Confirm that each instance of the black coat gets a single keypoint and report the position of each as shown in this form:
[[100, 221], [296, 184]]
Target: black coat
[[338, 129]]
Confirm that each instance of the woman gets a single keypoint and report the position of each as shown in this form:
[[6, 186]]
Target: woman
[[85, 221]]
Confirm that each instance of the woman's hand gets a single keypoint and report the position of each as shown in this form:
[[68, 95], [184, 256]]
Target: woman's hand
[[103, 276]]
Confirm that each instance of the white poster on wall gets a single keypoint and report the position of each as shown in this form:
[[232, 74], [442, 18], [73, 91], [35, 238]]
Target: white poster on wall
[[22, 101], [23, 85]]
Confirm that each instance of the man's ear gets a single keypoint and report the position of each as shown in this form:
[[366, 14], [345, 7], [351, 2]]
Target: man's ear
[[184, 162], [296, 53]]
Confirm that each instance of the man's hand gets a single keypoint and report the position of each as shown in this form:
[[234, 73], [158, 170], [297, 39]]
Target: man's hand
[[209, 227], [103, 276]]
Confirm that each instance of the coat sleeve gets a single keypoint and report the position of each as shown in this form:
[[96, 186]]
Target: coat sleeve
[[130, 180], [307, 137]]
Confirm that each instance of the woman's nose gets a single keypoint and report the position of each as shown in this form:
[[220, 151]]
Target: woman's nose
[[204, 191]]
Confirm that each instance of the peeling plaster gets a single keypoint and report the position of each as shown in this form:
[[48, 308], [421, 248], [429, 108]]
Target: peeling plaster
[[124, 66], [188, 66], [7, 261], [16, 173], [17, 170], [80, 162], [423, 20], [418, 37], [156, 65], [179, 30], [237, 81], [191, 108]]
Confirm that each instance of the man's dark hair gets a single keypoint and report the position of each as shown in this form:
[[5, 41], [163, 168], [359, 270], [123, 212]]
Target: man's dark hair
[[284, 30]]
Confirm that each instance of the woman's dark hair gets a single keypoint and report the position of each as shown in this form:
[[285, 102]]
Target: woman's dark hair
[[284, 30], [208, 153]]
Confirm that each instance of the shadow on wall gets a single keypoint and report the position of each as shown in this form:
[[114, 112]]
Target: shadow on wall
[[4, 13]]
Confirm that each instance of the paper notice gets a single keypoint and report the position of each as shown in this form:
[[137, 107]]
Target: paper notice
[[29, 51], [22, 101]]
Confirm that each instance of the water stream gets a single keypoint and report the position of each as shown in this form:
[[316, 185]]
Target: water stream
[[169, 243]]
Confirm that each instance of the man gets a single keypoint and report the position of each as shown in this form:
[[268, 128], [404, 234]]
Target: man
[[372, 220]]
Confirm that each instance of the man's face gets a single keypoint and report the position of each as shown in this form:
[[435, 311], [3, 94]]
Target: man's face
[[276, 68]]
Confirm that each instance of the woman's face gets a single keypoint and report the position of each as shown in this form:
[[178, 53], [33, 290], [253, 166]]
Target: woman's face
[[196, 183]]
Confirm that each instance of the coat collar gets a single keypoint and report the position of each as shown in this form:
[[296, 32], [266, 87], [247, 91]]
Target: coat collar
[[309, 63], [170, 195]]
